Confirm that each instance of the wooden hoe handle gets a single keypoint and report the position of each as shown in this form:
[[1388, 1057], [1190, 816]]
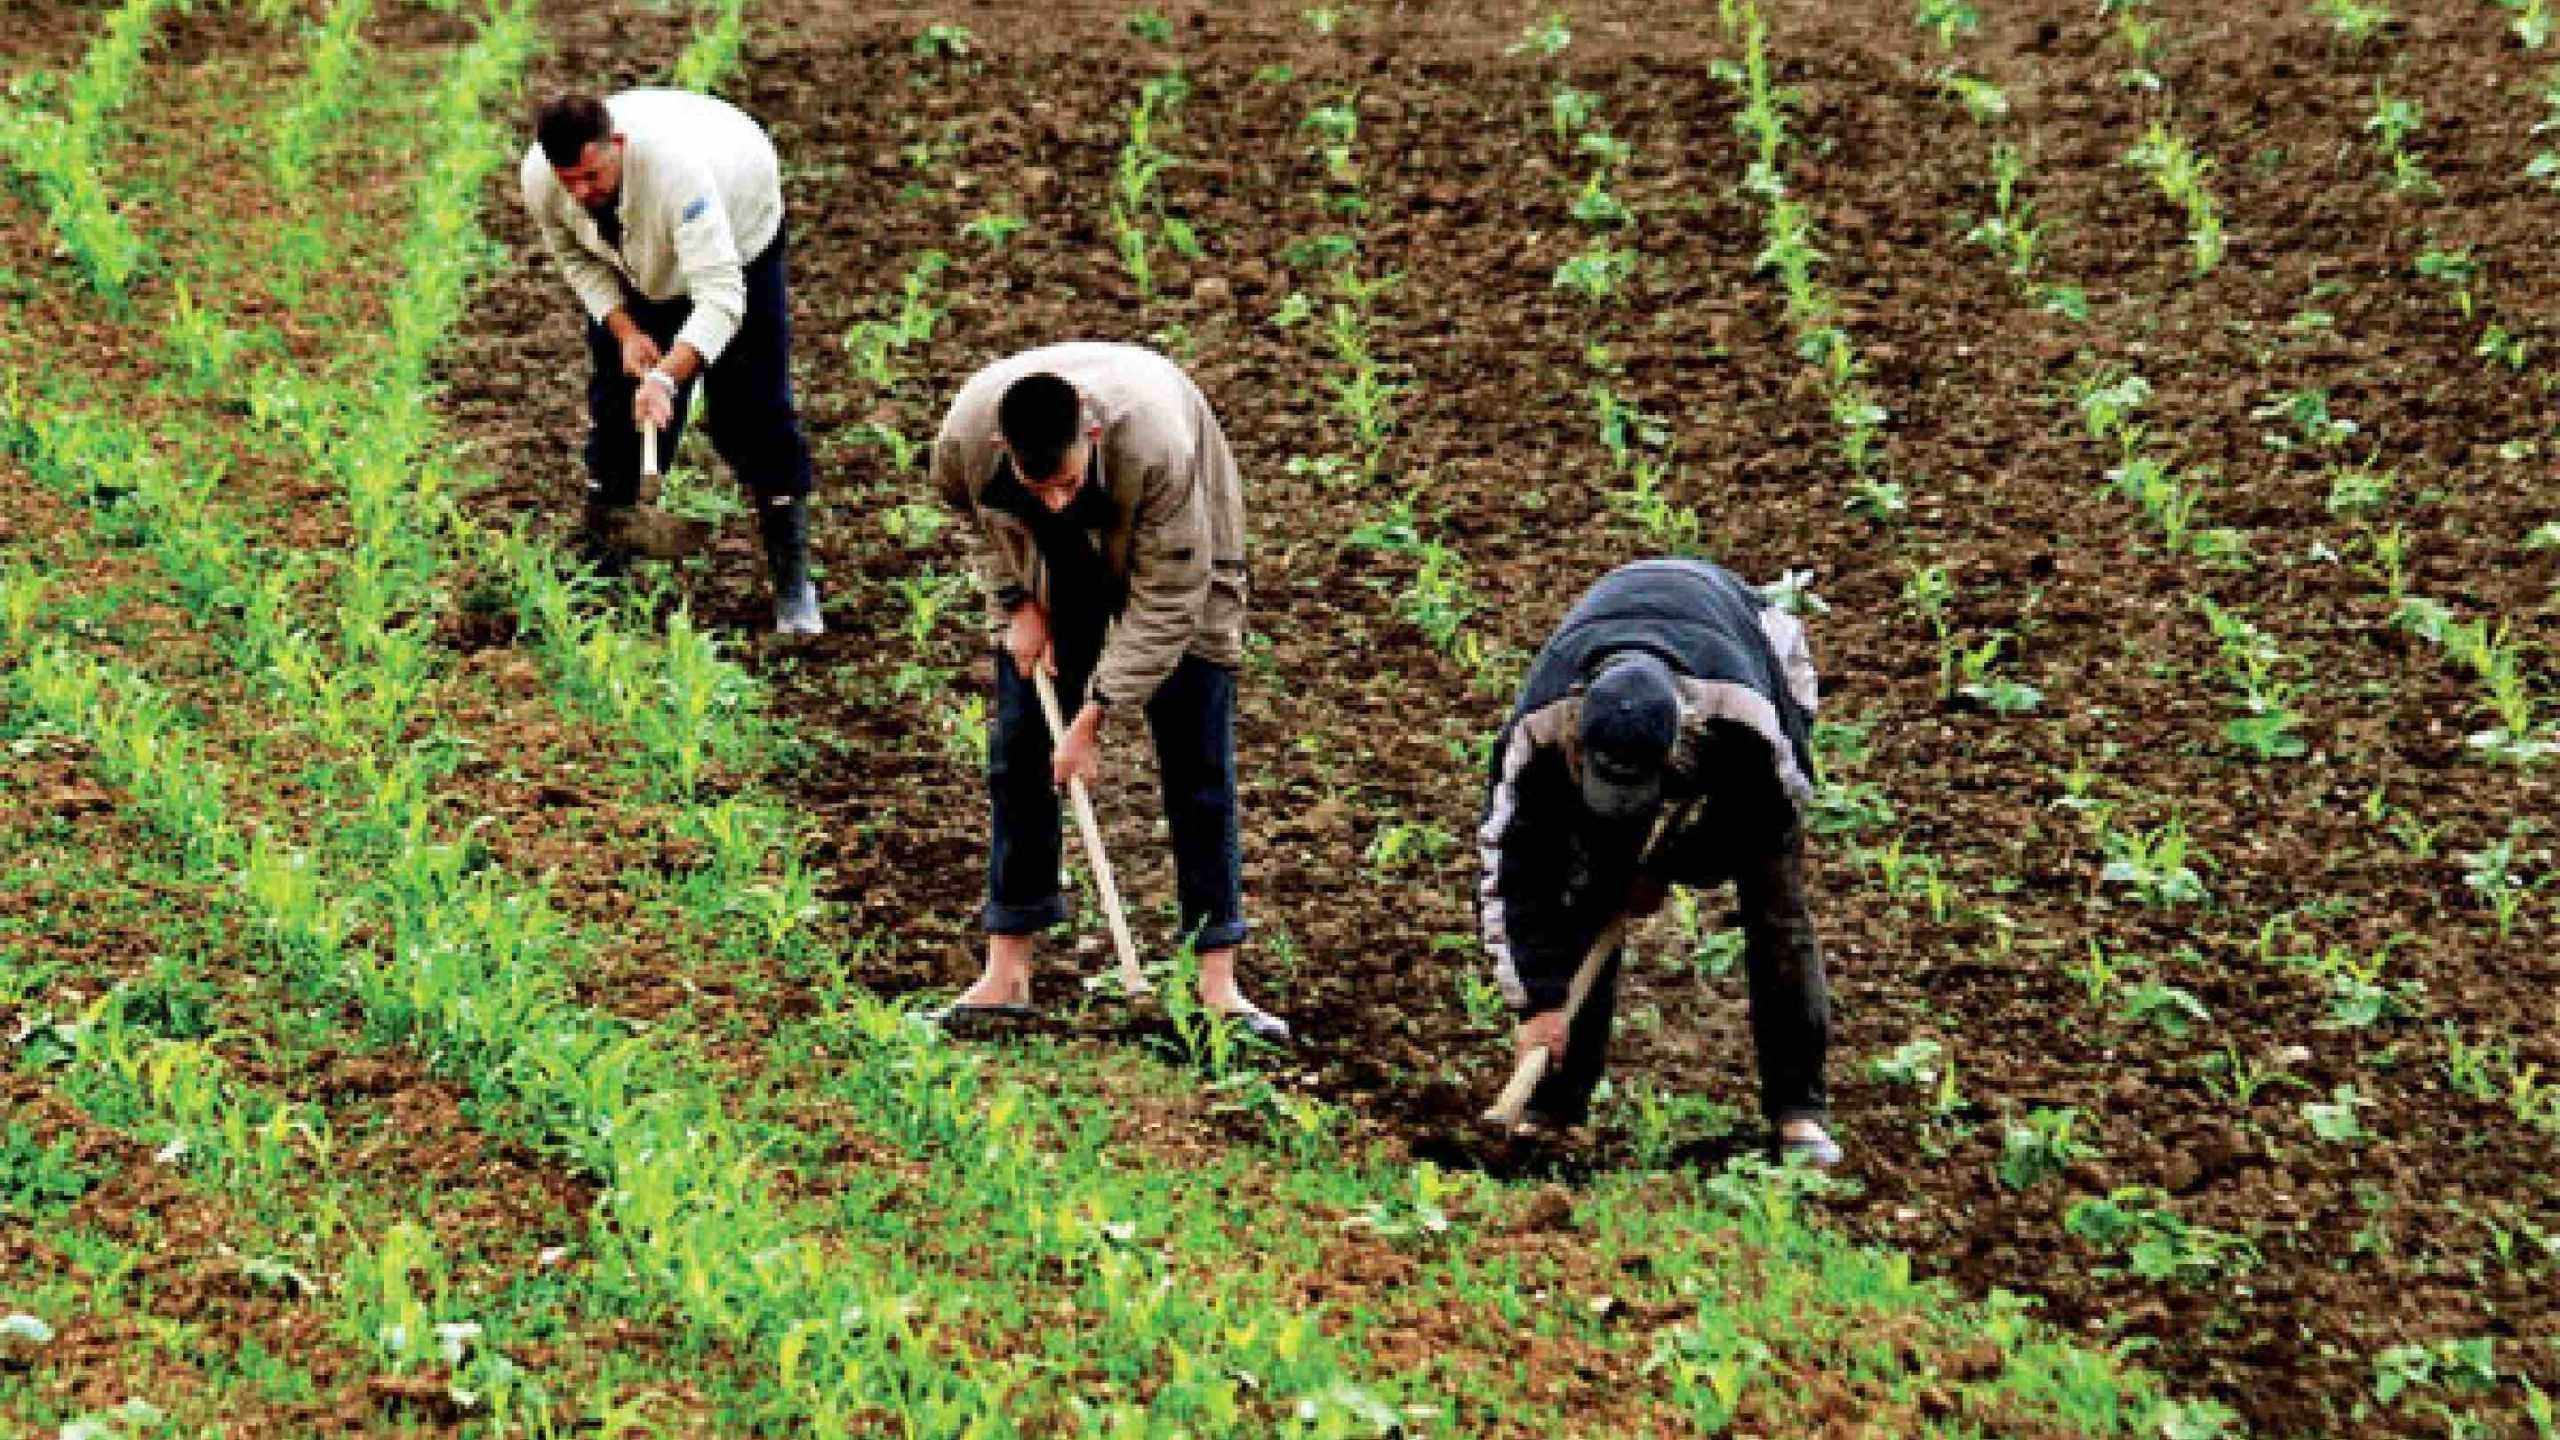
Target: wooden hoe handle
[[1532, 1066], [648, 450], [1131, 977]]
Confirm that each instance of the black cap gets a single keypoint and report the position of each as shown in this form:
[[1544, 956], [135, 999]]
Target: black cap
[[1630, 717]]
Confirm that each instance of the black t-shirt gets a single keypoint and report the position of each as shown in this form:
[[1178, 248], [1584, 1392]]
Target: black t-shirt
[[1084, 595]]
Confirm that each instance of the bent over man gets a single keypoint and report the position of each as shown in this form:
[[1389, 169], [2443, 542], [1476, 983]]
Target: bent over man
[[1111, 521], [1660, 739], [664, 210]]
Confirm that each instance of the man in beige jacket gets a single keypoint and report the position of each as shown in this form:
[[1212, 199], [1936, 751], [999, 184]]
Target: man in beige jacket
[[1112, 527]]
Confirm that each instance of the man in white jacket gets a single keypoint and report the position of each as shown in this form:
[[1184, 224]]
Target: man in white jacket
[[664, 210]]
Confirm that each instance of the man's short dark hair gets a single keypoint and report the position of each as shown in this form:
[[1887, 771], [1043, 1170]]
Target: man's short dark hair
[[1039, 415], [567, 124]]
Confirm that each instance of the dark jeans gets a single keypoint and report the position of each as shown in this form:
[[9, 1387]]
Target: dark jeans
[[1790, 1003], [754, 423], [1192, 719]]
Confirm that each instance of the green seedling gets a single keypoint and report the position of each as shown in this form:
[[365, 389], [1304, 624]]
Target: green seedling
[[1544, 39], [994, 228], [2237, 1080], [1946, 19], [943, 40], [2495, 873], [2153, 864], [2041, 1148], [2356, 21], [1984, 102], [1570, 110], [2156, 1243]]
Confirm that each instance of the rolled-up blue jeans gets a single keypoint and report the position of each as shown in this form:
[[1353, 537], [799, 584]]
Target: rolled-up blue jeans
[[1192, 719]]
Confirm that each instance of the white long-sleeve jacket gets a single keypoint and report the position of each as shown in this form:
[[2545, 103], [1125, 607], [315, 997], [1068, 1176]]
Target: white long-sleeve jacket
[[701, 196]]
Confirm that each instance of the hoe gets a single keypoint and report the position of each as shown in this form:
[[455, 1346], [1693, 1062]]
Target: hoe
[[1131, 977], [1532, 1066], [654, 532]]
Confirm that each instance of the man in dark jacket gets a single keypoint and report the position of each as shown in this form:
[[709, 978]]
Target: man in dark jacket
[[1661, 738]]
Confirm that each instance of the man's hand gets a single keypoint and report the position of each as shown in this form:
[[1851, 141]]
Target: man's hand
[[1026, 639], [640, 354], [1079, 752], [1543, 1031], [1079, 755], [653, 403]]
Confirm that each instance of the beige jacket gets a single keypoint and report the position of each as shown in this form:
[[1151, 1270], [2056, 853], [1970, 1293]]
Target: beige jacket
[[1179, 536], [701, 196]]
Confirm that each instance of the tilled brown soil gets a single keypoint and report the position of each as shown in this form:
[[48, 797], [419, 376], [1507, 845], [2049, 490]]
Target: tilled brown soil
[[1353, 724]]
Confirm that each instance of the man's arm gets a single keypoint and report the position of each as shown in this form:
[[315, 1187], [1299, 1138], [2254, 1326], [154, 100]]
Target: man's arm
[[1536, 931], [598, 285], [1168, 589], [715, 275], [954, 461]]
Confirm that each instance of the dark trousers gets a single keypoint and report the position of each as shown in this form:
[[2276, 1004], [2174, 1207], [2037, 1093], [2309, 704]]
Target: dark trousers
[[1790, 1003], [1192, 719], [754, 423]]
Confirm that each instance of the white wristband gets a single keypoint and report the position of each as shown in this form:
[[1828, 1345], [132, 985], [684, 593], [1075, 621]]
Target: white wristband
[[665, 381]]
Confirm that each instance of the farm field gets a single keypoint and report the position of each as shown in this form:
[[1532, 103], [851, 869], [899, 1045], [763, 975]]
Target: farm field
[[444, 993]]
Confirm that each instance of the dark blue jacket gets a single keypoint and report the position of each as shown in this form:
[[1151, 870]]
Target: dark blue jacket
[[1734, 789]]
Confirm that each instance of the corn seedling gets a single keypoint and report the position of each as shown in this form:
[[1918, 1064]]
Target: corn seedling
[[2529, 21], [2545, 164], [2355, 21], [1946, 19], [2140, 37], [2477, 1070], [2237, 1080], [878, 346], [2393, 122], [2494, 872], [63, 153], [2180, 173], [1570, 111], [325, 103], [1598, 274], [1543, 39], [2338, 1119], [1977, 679], [2010, 231], [1139, 221], [2041, 1147], [994, 228], [712, 56], [2307, 412], [2359, 491], [2171, 1009], [943, 40], [2457, 271], [2152, 864], [1595, 207], [1336, 128], [1984, 102], [2519, 736], [2155, 1242], [2258, 670]]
